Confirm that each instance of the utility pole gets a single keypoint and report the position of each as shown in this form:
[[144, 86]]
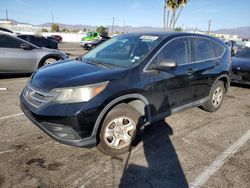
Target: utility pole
[[164, 14], [52, 18], [124, 25], [7, 17], [112, 29], [209, 26]]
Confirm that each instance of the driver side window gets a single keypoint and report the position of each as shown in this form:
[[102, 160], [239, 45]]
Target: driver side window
[[9, 42], [177, 50]]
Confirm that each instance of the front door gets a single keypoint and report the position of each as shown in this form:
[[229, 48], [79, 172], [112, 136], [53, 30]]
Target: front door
[[172, 88]]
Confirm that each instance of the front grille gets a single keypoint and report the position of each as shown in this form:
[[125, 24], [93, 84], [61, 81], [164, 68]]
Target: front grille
[[37, 98]]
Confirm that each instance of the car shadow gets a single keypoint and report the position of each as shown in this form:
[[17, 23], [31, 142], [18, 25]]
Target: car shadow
[[164, 168], [240, 85], [11, 76]]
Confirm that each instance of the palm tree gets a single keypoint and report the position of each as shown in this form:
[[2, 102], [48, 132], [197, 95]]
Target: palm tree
[[173, 5]]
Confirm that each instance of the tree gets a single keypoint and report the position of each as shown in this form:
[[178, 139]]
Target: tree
[[45, 30], [101, 29], [173, 5], [75, 30], [178, 29], [54, 27], [65, 30]]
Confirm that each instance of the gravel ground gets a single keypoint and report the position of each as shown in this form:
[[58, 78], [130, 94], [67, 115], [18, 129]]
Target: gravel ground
[[172, 153]]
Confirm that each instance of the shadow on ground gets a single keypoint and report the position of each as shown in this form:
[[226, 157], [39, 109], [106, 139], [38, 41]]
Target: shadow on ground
[[11, 76], [240, 85], [164, 169]]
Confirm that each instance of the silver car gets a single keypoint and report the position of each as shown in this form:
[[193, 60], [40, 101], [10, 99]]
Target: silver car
[[20, 56]]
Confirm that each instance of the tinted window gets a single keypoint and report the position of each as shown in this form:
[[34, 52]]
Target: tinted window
[[203, 49], [178, 50], [36, 38], [218, 49], [9, 42], [23, 37]]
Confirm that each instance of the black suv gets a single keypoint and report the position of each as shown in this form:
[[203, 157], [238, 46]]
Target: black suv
[[128, 81], [40, 41]]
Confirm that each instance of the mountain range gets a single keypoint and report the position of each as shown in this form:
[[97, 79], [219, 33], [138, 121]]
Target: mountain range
[[243, 32]]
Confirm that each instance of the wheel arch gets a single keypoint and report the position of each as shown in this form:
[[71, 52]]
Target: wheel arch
[[225, 79], [56, 56], [137, 101]]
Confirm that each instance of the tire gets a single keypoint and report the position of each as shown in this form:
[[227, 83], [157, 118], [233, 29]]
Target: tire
[[215, 97], [120, 130], [48, 61]]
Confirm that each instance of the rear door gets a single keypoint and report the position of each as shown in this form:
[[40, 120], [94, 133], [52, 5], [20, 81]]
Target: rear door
[[13, 58], [206, 63]]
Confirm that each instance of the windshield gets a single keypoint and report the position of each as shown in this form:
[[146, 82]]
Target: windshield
[[89, 34], [124, 51], [244, 53]]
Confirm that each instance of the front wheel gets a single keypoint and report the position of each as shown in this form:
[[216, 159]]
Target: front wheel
[[48, 61], [119, 130], [215, 98]]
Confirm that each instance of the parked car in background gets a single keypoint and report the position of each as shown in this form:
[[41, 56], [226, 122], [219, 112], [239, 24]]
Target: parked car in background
[[232, 46], [87, 45], [20, 56], [247, 43], [40, 41], [5, 30], [58, 38], [130, 80], [241, 67], [90, 40]]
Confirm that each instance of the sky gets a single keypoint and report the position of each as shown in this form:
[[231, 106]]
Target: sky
[[197, 13]]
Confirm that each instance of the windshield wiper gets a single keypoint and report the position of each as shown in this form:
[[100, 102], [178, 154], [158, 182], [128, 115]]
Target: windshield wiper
[[98, 63]]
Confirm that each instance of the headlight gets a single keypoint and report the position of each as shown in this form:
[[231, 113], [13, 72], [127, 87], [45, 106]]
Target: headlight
[[79, 94]]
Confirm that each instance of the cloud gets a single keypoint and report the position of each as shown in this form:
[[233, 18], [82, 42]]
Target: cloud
[[135, 5]]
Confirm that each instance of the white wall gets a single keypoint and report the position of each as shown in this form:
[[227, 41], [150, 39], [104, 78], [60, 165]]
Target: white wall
[[67, 37]]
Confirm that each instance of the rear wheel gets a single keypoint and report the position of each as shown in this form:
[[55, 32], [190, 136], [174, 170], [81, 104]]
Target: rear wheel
[[48, 61], [119, 130], [215, 97]]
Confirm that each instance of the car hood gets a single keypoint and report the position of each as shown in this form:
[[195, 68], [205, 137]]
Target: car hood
[[241, 63], [72, 73]]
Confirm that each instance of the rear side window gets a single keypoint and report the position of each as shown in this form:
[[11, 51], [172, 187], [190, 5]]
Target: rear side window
[[177, 50], [218, 49], [203, 49], [9, 42]]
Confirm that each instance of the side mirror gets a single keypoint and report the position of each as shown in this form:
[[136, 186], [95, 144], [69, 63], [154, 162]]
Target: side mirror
[[25, 46], [164, 64]]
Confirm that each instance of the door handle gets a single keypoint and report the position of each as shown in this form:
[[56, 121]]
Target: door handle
[[190, 71]]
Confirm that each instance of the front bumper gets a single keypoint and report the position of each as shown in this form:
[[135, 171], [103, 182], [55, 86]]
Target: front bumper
[[58, 130], [88, 44]]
